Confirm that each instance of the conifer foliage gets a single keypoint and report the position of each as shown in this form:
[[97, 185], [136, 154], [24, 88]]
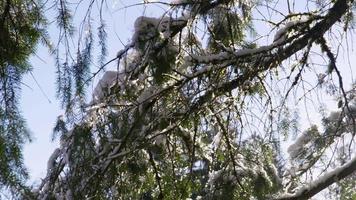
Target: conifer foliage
[[21, 27]]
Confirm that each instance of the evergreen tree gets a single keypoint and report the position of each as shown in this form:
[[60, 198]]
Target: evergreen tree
[[21, 27]]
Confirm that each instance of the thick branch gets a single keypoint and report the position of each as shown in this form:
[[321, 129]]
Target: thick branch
[[335, 13], [323, 182]]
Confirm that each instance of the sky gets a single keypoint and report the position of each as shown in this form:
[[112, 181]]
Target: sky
[[40, 111]]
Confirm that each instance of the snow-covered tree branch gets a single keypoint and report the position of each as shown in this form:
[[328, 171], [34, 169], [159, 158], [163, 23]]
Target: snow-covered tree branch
[[322, 182]]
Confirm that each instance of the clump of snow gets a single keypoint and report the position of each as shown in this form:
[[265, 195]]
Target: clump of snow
[[69, 195], [334, 116], [145, 24], [321, 78], [213, 177], [129, 63], [216, 141], [283, 32], [147, 94], [296, 148], [160, 140], [350, 110], [145, 29], [121, 77], [107, 81], [168, 23], [178, 2], [52, 160]]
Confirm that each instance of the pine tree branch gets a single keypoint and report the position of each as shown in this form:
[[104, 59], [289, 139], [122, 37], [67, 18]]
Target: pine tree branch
[[321, 183], [335, 14]]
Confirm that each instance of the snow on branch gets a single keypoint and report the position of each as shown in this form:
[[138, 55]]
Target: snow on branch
[[323, 182], [107, 81]]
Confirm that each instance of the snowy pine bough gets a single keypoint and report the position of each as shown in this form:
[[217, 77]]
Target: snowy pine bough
[[200, 107]]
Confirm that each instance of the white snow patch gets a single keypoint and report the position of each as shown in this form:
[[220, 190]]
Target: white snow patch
[[283, 32], [216, 141], [145, 29], [52, 160], [334, 174], [178, 2], [147, 94], [334, 116], [351, 109], [213, 176], [107, 81], [295, 149]]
